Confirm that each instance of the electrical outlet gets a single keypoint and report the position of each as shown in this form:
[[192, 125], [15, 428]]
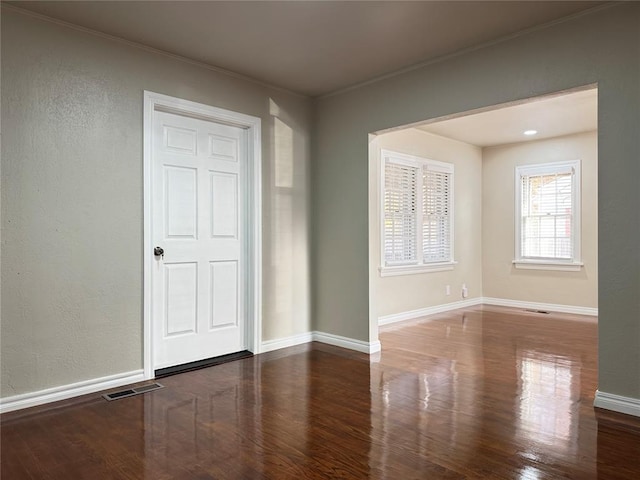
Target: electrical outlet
[[465, 291], [447, 290]]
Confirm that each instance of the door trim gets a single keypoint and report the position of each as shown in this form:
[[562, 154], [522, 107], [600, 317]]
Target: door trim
[[158, 102]]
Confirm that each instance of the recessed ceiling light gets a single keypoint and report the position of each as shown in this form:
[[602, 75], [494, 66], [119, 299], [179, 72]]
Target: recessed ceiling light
[[530, 132]]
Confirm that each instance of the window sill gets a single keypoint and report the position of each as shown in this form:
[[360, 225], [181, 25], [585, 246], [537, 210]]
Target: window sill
[[548, 265], [414, 269]]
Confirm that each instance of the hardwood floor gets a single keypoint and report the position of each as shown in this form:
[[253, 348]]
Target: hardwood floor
[[481, 393]]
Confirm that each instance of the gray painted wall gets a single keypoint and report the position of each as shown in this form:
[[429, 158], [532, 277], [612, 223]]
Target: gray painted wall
[[72, 199], [72, 186], [601, 47]]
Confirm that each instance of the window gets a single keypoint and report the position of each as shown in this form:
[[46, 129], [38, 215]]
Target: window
[[548, 216], [417, 214]]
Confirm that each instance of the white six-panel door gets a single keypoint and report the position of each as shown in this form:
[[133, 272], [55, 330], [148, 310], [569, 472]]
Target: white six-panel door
[[197, 209]]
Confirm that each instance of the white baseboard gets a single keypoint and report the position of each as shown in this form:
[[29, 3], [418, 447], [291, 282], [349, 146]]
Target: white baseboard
[[291, 341], [603, 400], [322, 337], [344, 342], [617, 403], [64, 392], [422, 312], [552, 307], [502, 302]]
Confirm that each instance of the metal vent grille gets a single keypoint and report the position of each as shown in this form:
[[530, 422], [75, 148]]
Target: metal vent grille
[[130, 392], [536, 311]]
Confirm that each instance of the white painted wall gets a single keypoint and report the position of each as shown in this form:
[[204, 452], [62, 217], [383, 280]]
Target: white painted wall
[[484, 225], [403, 293], [500, 278], [72, 199]]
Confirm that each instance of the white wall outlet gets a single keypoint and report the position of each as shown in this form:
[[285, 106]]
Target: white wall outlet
[[447, 290], [465, 291]]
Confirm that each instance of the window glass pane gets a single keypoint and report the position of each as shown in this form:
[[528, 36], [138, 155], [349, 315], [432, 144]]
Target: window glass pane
[[547, 216]]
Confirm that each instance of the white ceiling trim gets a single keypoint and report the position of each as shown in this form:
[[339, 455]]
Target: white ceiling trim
[[147, 48], [262, 76], [467, 50]]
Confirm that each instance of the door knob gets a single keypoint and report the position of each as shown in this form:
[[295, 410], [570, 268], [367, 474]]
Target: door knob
[[158, 252]]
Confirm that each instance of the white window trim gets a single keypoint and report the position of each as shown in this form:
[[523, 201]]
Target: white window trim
[[418, 267], [568, 265], [393, 271], [558, 265]]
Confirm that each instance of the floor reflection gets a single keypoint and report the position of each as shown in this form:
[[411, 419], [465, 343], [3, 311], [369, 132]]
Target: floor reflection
[[491, 394], [197, 425], [549, 385], [530, 473], [498, 383]]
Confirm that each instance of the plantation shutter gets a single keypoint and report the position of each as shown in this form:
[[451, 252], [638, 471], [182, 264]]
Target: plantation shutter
[[547, 214], [400, 213], [436, 214]]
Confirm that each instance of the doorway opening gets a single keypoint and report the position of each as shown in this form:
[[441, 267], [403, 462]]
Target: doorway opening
[[495, 206]]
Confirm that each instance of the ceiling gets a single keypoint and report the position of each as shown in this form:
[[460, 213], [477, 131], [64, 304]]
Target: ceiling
[[309, 47], [551, 116]]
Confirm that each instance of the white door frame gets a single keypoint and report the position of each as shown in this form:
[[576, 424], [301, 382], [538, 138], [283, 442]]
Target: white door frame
[[156, 101]]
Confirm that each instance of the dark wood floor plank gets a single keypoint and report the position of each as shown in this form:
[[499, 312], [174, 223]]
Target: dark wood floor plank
[[480, 393]]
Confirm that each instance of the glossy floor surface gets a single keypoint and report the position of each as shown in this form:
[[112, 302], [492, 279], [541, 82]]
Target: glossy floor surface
[[482, 393]]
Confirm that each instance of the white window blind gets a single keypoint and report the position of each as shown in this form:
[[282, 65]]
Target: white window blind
[[400, 213], [548, 206], [436, 218], [417, 213]]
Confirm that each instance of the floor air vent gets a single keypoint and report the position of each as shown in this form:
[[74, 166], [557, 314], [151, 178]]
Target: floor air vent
[[130, 392], [537, 311]]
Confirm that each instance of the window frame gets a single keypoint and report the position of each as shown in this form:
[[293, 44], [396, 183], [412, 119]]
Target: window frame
[[417, 266], [550, 263]]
